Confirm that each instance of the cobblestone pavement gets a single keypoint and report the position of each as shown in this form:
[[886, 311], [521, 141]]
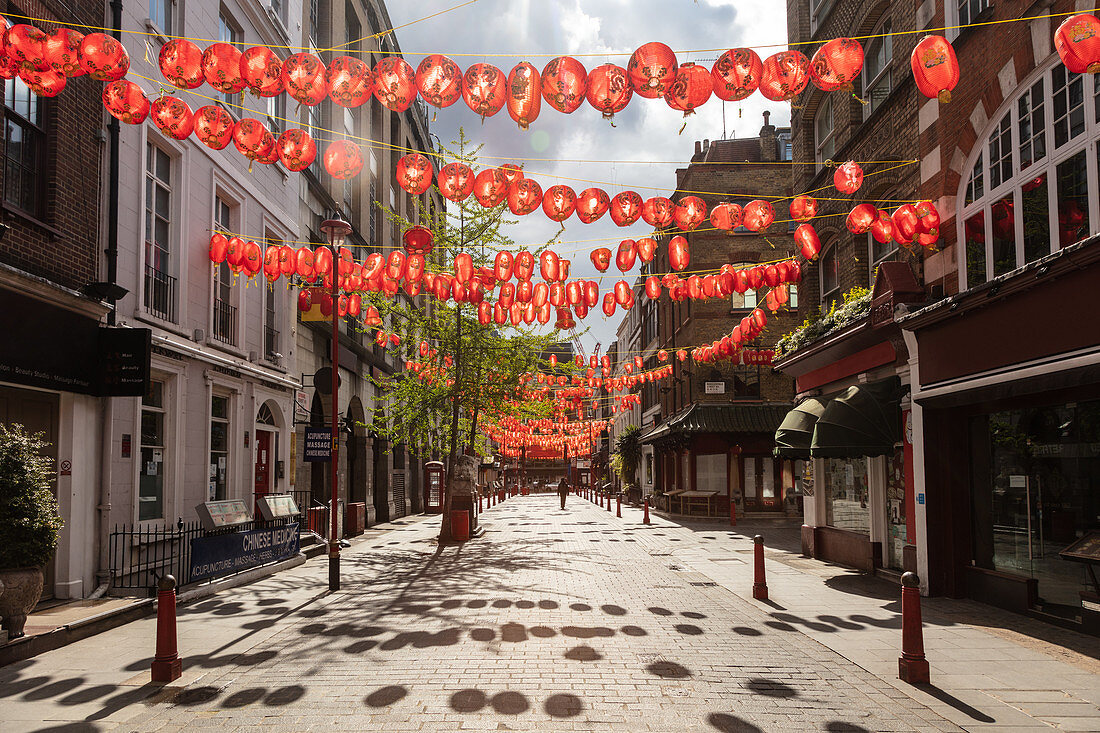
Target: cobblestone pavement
[[553, 620]]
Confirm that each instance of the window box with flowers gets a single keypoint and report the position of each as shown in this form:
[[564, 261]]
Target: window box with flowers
[[856, 305]]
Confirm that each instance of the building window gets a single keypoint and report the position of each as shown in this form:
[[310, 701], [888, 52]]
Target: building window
[[154, 447], [830, 279], [161, 12], [228, 33], [879, 253], [785, 151], [876, 69], [160, 286], [744, 301], [962, 12], [792, 290], [24, 152], [746, 382], [224, 327], [219, 448], [1028, 196], [271, 316], [846, 494], [276, 114], [819, 9], [824, 132]]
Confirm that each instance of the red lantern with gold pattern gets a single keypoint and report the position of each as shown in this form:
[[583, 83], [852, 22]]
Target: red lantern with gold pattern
[[848, 177], [305, 79], [26, 46], [592, 203], [691, 88], [549, 266], [251, 138], [626, 255], [882, 229], [524, 196], [837, 64], [126, 102], [559, 202], [262, 71], [439, 80], [221, 67], [861, 217], [928, 221], [601, 258], [180, 63], [490, 187], [173, 117], [564, 80], [484, 89], [736, 74], [906, 224], [678, 256], [1078, 44], [417, 240], [689, 213], [757, 216], [609, 90], [456, 181], [657, 211], [935, 68], [103, 57], [394, 83], [784, 75], [511, 172], [647, 247], [43, 82], [652, 69], [219, 248], [803, 208], [524, 95], [213, 126], [725, 216], [343, 159], [414, 173], [626, 207], [296, 149], [349, 80], [61, 51]]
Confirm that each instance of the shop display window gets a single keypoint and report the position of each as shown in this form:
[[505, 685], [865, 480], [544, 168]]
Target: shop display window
[[847, 505]]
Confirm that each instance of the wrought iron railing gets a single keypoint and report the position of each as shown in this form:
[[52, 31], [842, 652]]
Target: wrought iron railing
[[160, 294], [225, 322], [271, 345]]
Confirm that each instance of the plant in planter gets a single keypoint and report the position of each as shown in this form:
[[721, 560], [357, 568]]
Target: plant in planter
[[28, 523]]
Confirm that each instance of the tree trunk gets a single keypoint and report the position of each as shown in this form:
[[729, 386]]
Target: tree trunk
[[445, 524]]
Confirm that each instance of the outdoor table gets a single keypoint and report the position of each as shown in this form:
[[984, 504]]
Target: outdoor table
[[670, 495], [692, 498]]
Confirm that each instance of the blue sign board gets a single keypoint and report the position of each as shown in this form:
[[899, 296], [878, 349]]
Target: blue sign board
[[318, 445], [225, 554]]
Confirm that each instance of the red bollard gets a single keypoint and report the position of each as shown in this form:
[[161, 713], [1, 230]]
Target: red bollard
[[479, 503], [619, 506], [759, 585], [645, 507], [609, 501], [167, 665], [912, 665]]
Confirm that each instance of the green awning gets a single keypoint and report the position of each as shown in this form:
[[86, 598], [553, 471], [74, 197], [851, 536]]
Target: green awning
[[719, 417], [864, 420], [792, 439]]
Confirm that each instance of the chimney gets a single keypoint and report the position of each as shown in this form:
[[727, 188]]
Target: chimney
[[769, 149], [698, 147]]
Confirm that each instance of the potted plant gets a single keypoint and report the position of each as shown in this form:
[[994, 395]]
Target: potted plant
[[28, 523]]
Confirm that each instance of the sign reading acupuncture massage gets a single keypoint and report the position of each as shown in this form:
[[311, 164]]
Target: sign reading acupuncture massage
[[225, 554]]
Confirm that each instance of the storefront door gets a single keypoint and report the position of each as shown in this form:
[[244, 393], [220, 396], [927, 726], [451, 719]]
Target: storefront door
[[760, 484], [264, 444]]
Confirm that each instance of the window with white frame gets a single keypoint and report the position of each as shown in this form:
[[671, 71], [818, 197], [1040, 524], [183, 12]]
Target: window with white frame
[[819, 9], [160, 284], [219, 448], [154, 448], [792, 292], [785, 150], [824, 131], [875, 77], [161, 12], [1028, 190], [830, 278], [276, 114], [271, 313], [962, 12], [744, 301], [224, 314]]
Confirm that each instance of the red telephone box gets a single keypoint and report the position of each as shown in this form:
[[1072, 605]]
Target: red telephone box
[[435, 483]]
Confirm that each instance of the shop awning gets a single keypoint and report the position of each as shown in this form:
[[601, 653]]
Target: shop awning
[[724, 417], [864, 420], [792, 439]]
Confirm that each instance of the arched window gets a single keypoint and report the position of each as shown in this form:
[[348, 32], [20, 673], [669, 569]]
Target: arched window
[[265, 416], [1027, 193]]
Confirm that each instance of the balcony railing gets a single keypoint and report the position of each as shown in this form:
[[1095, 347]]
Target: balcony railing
[[271, 345], [225, 322], [160, 294]]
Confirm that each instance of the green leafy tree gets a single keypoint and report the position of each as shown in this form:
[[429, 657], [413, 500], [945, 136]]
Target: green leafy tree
[[628, 453], [28, 510]]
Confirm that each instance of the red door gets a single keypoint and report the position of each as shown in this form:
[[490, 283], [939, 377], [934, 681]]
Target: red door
[[263, 462]]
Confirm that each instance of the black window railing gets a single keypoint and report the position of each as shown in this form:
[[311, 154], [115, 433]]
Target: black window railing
[[271, 345], [225, 322], [160, 294]]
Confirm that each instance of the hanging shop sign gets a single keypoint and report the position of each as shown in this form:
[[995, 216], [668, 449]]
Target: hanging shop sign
[[224, 554], [318, 445]]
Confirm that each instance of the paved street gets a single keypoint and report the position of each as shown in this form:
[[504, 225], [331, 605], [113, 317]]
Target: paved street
[[557, 620]]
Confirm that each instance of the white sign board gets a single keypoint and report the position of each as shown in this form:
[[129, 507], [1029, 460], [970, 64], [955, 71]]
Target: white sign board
[[715, 387]]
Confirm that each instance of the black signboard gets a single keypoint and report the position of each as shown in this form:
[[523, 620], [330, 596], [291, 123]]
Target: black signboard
[[124, 361], [318, 445], [44, 345], [225, 554]]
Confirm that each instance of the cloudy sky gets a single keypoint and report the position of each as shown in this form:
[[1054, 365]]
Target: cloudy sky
[[644, 143]]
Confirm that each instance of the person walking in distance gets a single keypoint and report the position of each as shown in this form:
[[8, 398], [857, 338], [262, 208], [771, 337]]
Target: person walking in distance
[[563, 491]]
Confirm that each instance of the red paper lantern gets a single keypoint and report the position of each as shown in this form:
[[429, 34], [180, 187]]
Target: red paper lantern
[[343, 159], [464, 267], [625, 255], [173, 117], [180, 63], [861, 217], [652, 69], [417, 240], [484, 89], [784, 75], [252, 139], [490, 187], [296, 149], [601, 258], [689, 213], [394, 83], [805, 236], [456, 181], [646, 247], [928, 218], [592, 203], [563, 83], [305, 300], [43, 82], [609, 304], [736, 74], [691, 88], [848, 177], [837, 64], [61, 50], [439, 80], [524, 95], [803, 208], [26, 46], [414, 173], [252, 259], [657, 211], [511, 172], [102, 57], [524, 265], [262, 71], [935, 68], [559, 202], [305, 78], [725, 216], [882, 229], [757, 216], [126, 102], [678, 255], [1078, 44], [213, 126], [524, 196], [906, 224], [626, 207], [349, 81], [221, 67], [219, 248], [609, 90], [549, 266]]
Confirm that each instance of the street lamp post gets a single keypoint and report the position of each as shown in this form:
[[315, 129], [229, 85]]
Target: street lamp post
[[337, 230]]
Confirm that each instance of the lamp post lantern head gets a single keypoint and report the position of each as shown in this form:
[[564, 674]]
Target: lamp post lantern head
[[336, 229]]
